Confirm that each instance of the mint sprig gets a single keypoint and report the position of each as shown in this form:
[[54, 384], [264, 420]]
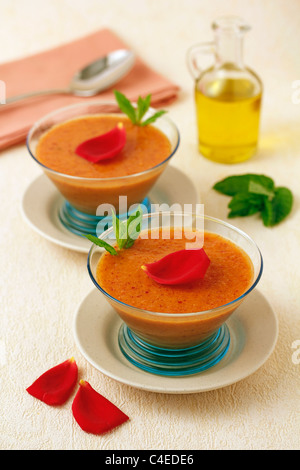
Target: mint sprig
[[102, 244], [253, 193], [137, 113], [126, 232]]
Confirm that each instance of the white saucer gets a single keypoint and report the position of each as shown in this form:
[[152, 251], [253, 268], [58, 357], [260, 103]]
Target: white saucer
[[41, 203], [253, 330]]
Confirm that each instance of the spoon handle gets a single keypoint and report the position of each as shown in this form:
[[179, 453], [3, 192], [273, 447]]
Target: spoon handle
[[13, 99]]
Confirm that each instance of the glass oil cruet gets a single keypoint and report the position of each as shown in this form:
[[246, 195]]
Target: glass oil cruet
[[227, 95]]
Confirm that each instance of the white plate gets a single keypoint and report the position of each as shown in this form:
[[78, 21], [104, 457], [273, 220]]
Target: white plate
[[253, 330], [42, 201]]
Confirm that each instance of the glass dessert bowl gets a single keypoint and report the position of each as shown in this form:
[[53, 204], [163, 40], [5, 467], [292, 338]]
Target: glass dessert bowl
[[98, 184], [183, 338]]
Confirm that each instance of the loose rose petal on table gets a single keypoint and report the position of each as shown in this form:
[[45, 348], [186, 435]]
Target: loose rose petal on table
[[55, 386], [180, 267], [94, 413], [103, 147]]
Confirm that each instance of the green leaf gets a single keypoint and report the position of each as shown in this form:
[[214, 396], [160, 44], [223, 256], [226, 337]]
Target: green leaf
[[134, 226], [278, 208], [152, 118], [143, 106], [128, 230], [257, 188], [136, 115], [125, 106], [119, 230], [116, 227], [102, 243], [244, 204], [233, 185], [267, 214], [252, 193], [123, 235]]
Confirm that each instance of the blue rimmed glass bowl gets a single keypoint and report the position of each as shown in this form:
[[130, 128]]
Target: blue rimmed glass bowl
[[83, 196], [177, 343]]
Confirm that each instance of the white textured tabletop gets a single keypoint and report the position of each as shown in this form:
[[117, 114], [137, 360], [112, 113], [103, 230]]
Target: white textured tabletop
[[42, 284]]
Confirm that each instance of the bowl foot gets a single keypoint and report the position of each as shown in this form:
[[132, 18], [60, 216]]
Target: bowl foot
[[82, 224], [174, 362]]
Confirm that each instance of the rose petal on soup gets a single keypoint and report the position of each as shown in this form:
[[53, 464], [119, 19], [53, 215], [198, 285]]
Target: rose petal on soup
[[104, 146], [93, 412], [55, 386], [180, 267]]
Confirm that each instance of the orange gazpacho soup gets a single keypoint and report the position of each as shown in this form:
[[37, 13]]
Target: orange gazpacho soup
[[228, 276], [146, 147]]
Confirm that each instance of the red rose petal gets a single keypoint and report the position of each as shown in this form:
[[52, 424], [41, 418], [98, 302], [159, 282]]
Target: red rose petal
[[103, 147], [94, 413], [55, 386], [180, 267]]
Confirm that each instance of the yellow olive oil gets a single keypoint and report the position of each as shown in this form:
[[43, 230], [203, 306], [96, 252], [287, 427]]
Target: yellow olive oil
[[228, 112]]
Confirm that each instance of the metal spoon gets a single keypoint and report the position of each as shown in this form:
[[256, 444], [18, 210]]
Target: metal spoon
[[93, 78]]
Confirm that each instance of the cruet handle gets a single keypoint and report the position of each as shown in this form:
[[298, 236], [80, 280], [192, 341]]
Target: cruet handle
[[192, 55]]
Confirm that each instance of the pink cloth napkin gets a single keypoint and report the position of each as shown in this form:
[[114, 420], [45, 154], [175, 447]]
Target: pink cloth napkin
[[55, 69]]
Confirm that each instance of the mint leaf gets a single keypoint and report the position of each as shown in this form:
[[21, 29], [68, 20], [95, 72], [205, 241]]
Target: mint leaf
[[278, 208], [134, 226], [125, 106], [252, 193], [120, 230], [257, 188], [102, 243], [123, 234], [233, 185], [136, 114], [143, 106], [267, 214], [127, 231], [116, 227], [152, 118], [244, 204]]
